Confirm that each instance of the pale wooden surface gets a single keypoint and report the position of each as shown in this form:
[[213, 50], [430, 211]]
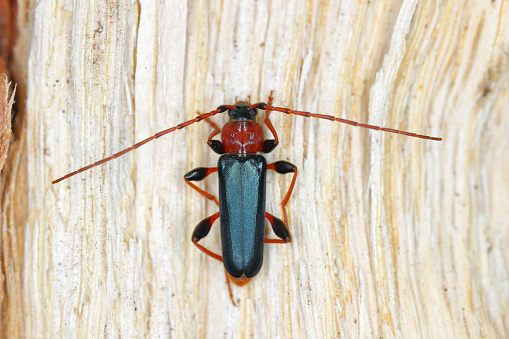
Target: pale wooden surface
[[392, 236]]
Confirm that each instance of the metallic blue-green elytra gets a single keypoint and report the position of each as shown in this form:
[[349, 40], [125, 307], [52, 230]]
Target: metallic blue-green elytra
[[242, 218]]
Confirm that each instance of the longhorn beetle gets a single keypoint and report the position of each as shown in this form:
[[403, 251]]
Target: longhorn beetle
[[241, 173]]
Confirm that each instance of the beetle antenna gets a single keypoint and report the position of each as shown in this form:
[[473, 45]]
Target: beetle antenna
[[220, 109], [266, 107]]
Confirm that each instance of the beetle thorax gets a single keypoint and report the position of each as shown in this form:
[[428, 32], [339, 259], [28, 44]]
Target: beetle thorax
[[242, 137]]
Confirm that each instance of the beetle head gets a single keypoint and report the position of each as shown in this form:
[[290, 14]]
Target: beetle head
[[242, 111]]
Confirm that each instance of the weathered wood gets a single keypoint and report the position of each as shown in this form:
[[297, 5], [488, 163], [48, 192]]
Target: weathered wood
[[393, 236]]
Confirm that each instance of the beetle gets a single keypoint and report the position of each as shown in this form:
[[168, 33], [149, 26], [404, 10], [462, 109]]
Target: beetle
[[241, 172]]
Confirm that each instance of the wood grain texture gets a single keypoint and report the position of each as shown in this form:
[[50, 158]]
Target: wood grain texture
[[392, 236], [13, 216], [6, 101]]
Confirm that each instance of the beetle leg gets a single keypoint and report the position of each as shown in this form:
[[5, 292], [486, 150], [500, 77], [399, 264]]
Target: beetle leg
[[283, 167], [201, 230], [199, 174], [216, 145], [269, 144], [228, 283], [279, 228]]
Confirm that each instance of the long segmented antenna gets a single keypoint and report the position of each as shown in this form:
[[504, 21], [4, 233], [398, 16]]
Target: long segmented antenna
[[266, 107], [260, 105], [220, 109]]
